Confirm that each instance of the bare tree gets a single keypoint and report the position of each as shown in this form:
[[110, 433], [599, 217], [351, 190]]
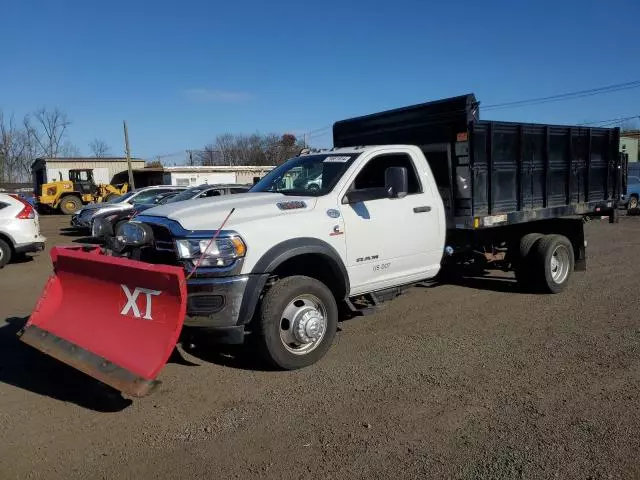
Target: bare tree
[[51, 126], [11, 146], [208, 156], [99, 148], [41, 134], [17, 150], [68, 149], [253, 149]]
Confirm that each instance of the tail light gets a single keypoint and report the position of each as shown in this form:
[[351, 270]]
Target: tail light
[[28, 212]]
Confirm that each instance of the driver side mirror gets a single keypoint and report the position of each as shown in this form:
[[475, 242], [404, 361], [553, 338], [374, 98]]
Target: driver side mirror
[[396, 182]]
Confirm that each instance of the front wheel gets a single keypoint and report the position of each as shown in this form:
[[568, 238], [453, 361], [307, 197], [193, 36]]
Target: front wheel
[[298, 322], [70, 204]]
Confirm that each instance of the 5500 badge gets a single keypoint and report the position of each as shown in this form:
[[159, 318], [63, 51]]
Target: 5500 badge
[[381, 266]]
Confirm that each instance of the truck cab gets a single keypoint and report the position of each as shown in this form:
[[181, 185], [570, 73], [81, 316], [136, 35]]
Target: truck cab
[[292, 255], [83, 182]]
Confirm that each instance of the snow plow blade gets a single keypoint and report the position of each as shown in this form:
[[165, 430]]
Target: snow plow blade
[[115, 319]]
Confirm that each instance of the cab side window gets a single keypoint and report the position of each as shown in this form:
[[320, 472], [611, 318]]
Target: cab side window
[[372, 175], [209, 193], [148, 195]]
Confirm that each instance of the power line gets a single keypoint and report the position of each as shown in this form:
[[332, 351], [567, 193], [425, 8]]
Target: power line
[[611, 121], [565, 96], [318, 130], [536, 101]]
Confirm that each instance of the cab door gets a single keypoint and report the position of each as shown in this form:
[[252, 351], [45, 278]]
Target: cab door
[[391, 241]]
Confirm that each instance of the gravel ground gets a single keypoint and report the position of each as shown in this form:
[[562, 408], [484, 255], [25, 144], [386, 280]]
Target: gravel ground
[[465, 381]]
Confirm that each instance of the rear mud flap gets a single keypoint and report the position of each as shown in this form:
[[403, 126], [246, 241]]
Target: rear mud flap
[[115, 319]]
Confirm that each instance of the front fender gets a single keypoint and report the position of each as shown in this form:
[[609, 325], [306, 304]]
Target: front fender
[[276, 256]]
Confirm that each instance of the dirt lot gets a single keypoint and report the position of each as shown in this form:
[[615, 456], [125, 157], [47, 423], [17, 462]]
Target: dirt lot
[[473, 381]]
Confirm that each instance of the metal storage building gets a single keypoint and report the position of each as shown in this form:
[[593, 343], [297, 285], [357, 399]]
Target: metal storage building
[[630, 144], [104, 169], [196, 175]]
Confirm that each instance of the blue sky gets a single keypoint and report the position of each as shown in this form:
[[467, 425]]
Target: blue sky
[[182, 72]]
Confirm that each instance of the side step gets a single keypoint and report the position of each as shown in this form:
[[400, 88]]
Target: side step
[[370, 303], [364, 305]]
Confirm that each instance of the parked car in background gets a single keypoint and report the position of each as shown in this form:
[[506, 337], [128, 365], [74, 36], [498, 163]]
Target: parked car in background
[[633, 192], [115, 218], [205, 191], [82, 219], [105, 224], [19, 228]]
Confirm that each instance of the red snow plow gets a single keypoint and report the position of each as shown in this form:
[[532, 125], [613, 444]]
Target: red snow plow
[[115, 319]]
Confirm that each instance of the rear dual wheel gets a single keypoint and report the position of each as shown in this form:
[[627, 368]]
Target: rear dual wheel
[[545, 262], [523, 263]]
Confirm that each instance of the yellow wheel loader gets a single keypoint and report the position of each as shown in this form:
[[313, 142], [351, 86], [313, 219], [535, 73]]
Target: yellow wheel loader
[[68, 196]]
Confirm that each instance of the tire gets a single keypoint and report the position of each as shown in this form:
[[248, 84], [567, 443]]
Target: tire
[[5, 253], [70, 204], [552, 276], [314, 187], [523, 260], [293, 297], [633, 202]]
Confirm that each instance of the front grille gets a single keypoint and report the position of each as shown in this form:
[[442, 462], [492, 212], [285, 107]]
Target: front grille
[[162, 239], [162, 251]]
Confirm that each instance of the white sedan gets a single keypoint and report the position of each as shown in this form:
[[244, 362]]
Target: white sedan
[[19, 228]]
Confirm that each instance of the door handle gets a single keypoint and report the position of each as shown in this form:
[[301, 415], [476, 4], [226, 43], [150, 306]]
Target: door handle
[[421, 209]]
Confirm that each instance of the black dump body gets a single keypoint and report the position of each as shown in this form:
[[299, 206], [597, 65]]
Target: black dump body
[[496, 173]]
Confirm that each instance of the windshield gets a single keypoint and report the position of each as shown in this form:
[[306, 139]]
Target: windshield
[[310, 175], [122, 198], [186, 195]]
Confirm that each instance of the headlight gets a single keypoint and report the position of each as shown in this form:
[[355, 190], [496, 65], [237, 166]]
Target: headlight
[[134, 234], [101, 227], [220, 252]]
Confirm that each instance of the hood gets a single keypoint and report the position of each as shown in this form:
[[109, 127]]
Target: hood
[[102, 208], [208, 213]]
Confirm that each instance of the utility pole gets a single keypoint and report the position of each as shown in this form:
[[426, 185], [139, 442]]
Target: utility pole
[[128, 152]]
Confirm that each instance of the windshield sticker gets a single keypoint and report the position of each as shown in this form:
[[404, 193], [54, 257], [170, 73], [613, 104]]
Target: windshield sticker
[[336, 159]]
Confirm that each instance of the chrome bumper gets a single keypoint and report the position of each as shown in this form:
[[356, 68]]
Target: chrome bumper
[[215, 302]]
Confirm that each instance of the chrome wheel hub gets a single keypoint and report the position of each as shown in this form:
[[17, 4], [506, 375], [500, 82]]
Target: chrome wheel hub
[[303, 324], [308, 326], [560, 264]]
